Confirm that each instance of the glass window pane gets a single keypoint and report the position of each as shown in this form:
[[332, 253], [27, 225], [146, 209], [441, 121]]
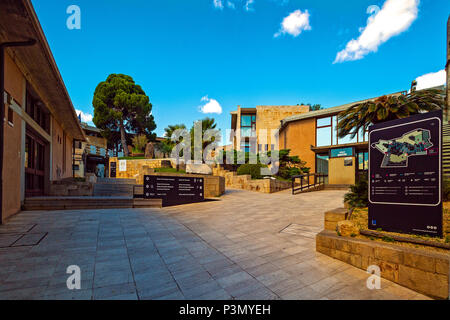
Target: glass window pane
[[335, 130], [324, 122], [323, 137], [246, 121], [348, 139], [360, 161], [246, 132], [322, 164]]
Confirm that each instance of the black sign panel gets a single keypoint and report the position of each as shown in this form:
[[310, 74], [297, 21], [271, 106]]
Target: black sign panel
[[405, 175], [174, 190], [113, 169]]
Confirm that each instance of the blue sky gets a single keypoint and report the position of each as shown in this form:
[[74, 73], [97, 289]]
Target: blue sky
[[188, 53]]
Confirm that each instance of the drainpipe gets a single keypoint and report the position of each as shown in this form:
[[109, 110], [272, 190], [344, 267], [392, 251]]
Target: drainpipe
[[3, 46]]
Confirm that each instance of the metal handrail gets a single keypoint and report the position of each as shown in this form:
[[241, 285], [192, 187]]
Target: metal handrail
[[319, 179]]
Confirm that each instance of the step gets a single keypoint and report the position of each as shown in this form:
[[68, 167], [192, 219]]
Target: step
[[115, 181], [147, 203], [337, 186], [76, 203]]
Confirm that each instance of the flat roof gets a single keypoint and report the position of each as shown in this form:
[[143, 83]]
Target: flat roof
[[337, 109]]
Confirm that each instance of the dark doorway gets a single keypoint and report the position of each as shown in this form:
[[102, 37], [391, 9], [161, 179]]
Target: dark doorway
[[34, 165]]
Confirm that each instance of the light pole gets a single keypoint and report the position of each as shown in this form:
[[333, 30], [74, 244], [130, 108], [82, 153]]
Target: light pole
[[3, 46]]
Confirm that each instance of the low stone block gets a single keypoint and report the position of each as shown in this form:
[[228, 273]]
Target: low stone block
[[389, 254], [432, 284], [336, 215], [419, 261], [442, 266], [347, 228]]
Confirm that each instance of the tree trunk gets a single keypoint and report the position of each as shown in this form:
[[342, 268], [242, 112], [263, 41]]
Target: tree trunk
[[123, 140]]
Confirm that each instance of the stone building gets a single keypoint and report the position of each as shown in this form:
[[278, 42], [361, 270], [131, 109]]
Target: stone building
[[91, 156], [40, 121], [248, 124]]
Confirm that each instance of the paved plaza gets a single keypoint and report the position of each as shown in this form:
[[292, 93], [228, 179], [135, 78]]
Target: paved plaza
[[245, 246]]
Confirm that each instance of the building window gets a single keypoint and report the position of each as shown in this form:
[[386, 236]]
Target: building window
[[36, 110], [10, 116], [363, 161], [327, 133], [323, 132], [248, 125]]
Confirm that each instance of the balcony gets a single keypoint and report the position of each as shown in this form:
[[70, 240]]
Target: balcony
[[95, 150]]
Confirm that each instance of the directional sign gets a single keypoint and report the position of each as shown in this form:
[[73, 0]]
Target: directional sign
[[174, 190], [405, 179]]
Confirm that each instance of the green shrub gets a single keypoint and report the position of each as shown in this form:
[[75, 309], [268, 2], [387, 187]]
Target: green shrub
[[446, 190], [139, 143], [358, 195], [252, 169]]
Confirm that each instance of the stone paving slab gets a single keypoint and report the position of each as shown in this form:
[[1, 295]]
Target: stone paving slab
[[246, 246]]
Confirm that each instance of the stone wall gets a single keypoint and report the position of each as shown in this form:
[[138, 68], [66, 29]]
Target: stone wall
[[136, 169], [232, 180], [69, 187], [422, 271]]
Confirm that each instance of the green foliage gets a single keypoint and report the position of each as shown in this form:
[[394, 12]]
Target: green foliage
[[358, 195], [312, 107], [207, 124], [252, 169], [139, 143], [447, 239], [290, 166], [446, 190], [387, 239], [362, 115], [121, 106]]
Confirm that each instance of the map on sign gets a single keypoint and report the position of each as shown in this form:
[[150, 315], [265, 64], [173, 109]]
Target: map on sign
[[397, 151]]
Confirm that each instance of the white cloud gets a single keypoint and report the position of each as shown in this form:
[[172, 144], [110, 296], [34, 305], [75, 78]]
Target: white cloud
[[218, 4], [210, 106], [231, 5], [395, 17], [249, 5], [432, 79], [85, 117], [294, 24]]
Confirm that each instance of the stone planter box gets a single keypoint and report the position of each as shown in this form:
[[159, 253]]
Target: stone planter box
[[417, 269]]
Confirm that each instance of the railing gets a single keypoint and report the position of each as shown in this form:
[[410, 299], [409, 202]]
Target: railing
[[305, 181]]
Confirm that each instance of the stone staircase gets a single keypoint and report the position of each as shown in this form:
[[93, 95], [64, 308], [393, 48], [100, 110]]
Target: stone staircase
[[245, 182], [345, 187], [109, 187], [446, 151]]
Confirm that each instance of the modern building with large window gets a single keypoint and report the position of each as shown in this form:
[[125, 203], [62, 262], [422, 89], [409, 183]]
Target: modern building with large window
[[40, 121], [313, 137], [253, 126]]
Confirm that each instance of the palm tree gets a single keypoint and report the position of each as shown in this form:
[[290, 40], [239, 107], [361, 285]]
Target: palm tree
[[207, 124], [167, 145], [362, 115]]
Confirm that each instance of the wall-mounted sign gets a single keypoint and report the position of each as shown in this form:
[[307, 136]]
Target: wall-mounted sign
[[122, 165], [174, 190], [405, 175], [112, 170], [348, 162], [341, 152]]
